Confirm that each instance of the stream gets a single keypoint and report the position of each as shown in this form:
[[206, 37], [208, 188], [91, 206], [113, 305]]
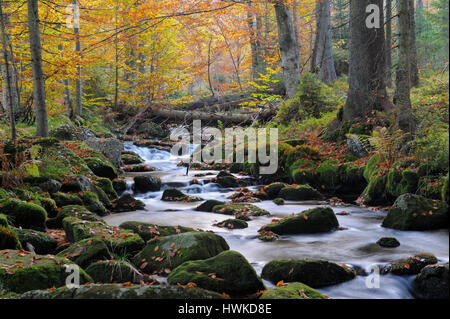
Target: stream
[[354, 246]]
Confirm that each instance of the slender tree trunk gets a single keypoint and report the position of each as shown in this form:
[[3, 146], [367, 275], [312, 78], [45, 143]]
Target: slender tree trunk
[[254, 45], [78, 82], [367, 88], [38, 73], [211, 88], [295, 20], [8, 74], [322, 58], [402, 99], [415, 81], [389, 43], [288, 47], [66, 83]]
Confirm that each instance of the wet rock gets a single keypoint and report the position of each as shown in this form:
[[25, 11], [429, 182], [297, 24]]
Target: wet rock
[[127, 203], [412, 265], [268, 236], [240, 211], [144, 184], [227, 181], [299, 193], [358, 145], [317, 220], [209, 205], [149, 231], [293, 290], [388, 242], [432, 282], [233, 224], [119, 185], [171, 251], [413, 212], [314, 273], [130, 158], [139, 168], [174, 195], [86, 252], [244, 196], [120, 292], [51, 186], [107, 186], [274, 189], [279, 201], [33, 272], [101, 168], [227, 272]]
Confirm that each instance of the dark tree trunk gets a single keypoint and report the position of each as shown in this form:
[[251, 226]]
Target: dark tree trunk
[[38, 73], [367, 87], [389, 43], [288, 47], [322, 59], [78, 82], [413, 46]]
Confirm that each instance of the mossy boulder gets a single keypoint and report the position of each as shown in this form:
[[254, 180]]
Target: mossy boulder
[[4, 221], [93, 203], [388, 242], [86, 252], [126, 203], [49, 205], [149, 231], [274, 189], [175, 195], [21, 271], [114, 271], [132, 159], [51, 186], [9, 239], [233, 224], [77, 212], [228, 272], [413, 212], [293, 290], [121, 292], [412, 265], [25, 215], [240, 211], [63, 199], [75, 184], [227, 181], [171, 251], [299, 193], [43, 243], [138, 168], [432, 283], [144, 184], [316, 220], [119, 185], [314, 273], [401, 182], [101, 167], [375, 193], [209, 205], [279, 201], [107, 186], [120, 242]]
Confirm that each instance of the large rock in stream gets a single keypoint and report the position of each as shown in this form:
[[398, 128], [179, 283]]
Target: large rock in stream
[[293, 290], [432, 282]]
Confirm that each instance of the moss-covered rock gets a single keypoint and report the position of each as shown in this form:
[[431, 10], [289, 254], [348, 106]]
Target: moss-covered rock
[[171, 251], [21, 271], [233, 224], [209, 205], [401, 182], [107, 186], [432, 283], [75, 184], [138, 168], [93, 204], [114, 271], [131, 159], [77, 212], [293, 290], [101, 168], [49, 205], [25, 215], [229, 272], [299, 193], [413, 212], [119, 185], [174, 195], [43, 243], [149, 231], [4, 221], [51, 186], [9, 239], [375, 192], [86, 252], [388, 242], [316, 220], [120, 242], [314, 273], [274, 189], [227, 181], [279, 201], [127, 203], [144, 184], [240, 211], [412, 265], [120, 292]]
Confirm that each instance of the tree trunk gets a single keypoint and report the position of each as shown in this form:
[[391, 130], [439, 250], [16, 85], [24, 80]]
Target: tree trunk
[[405, 120], [8, 74], [413, 46], [38, 73], [288, 47], [389, 43], [367, 88], [322, 59], [66, 81], [78, 82], [254, 27]]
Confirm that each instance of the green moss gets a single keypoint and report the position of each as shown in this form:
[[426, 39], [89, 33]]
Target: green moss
[[77, 212], [174, 195], [375, 192], [240, 210], [107, 186], [172, 251], [127, 203], [86, 252], [227, 272], [274, 189], [63, 199], [299, 193], [9, 239], [412, 265], [25, 215], [93, 204], [209, 205], [3, 221], [132, 159], [42, 243], [431, 186], [279, 201], [149, 231], [293, 290], [34, 273], [233, 224], [301, 152], [101, 167], [371, 167], [49, 205], [316, 220], [113, 271], [314, 273]]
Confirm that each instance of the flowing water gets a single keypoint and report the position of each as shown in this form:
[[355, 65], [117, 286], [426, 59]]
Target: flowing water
[[354, 246]]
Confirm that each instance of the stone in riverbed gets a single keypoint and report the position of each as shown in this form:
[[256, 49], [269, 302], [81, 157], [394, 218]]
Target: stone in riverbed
[[86, 252], [130, 158], [314, 273], [227, 272], [413, 212], [279, 201], [316, 220], [149, 231], [299, 193], [174, 195], [127, 203], [171, 251], [138, 168], [120, 292], [293, 290], [240, 211], [432, 283], [233, 224], [274, 189], [144, 184], [388, 242], [412, 265], [209, 205], [119, 185]]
